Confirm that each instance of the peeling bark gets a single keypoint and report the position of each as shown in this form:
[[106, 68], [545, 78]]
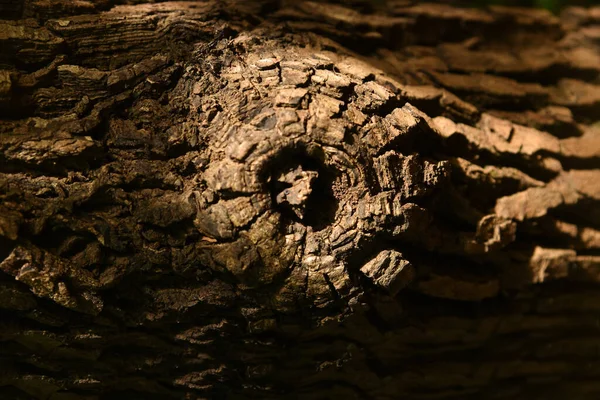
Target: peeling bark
[[261, 199]]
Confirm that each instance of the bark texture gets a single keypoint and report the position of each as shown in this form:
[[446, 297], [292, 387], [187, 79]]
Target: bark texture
[[229, 199]]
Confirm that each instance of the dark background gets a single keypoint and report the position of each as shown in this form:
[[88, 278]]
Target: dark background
[[552, 5]]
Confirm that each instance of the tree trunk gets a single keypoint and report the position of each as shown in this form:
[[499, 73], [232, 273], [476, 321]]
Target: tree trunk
[[261, 199]]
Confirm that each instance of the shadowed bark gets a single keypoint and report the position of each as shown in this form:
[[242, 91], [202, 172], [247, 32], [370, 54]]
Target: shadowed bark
[[264, 199]]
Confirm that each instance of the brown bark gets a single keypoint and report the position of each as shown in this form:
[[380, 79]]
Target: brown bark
[[298, 199]]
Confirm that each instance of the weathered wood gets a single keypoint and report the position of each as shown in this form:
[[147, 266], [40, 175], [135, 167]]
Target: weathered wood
[[260, 199]]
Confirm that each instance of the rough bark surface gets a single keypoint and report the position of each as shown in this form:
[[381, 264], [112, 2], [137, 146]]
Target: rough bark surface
[[298, 200]]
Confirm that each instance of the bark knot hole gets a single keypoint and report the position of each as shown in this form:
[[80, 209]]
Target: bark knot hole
[[301, 187]]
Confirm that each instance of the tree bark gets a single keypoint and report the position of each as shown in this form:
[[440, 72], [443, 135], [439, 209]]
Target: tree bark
[[262, 199]]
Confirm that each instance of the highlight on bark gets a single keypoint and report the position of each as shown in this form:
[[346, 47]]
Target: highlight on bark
[[225, 199]]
